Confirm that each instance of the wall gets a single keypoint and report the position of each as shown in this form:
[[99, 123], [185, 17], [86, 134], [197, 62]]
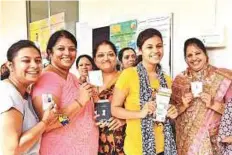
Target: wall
[[1, 31], [13, 25], [13, 20], [190, 17], [39, 10]]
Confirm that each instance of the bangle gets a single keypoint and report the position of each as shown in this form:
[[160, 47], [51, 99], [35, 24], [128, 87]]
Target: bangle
[[79, 103]]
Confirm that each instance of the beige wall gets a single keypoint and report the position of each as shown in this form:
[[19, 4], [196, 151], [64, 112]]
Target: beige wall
[[13, 25], [13, 22], [190, 17]]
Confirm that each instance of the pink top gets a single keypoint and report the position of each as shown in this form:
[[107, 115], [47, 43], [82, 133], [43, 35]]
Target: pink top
[[80, 137]]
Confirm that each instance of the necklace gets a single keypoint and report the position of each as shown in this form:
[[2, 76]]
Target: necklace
[[200, 75]]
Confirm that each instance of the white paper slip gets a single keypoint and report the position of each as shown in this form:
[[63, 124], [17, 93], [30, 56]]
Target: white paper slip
[[162, 104], [47, 101], [95, 78], [196, 88]]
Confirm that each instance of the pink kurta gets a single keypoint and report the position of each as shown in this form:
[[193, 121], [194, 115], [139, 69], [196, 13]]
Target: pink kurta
[[80, 137]]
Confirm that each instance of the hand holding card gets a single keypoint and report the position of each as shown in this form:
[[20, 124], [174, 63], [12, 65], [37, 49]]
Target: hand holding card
[[103, 110], [47, 101], [95, 78], [186, 99], [162, 104], [82, 79]]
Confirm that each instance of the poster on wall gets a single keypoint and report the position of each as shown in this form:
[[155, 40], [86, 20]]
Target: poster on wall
[[123, 34], [41, 30]]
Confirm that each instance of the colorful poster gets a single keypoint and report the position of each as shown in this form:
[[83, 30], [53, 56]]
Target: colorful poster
[[41, 30], [39, 34], [123, 34]]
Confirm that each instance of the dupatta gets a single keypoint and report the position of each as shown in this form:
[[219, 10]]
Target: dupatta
[[147, 124], [197, 126]]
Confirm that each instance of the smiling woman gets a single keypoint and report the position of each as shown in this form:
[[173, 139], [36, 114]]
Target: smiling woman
[[18, 118], [133, 100], [112, 135], [71, 98], [200, 94]]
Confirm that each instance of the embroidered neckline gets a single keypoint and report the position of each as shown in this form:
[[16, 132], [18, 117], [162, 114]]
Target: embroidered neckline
[[200, 75]]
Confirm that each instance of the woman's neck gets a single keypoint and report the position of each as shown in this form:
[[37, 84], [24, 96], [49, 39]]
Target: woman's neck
[[150, 68], [61, 72], [21, 88], [200, 74], [107, 77]]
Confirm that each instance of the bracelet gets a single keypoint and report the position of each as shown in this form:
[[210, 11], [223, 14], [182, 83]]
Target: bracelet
[[63, 119], [78, 103]]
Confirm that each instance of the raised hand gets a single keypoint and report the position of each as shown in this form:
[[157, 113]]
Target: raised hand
[[115, 123], [172, 112], [85, 93], [148, 108], [50, 115], [186, 99], [206, 98]]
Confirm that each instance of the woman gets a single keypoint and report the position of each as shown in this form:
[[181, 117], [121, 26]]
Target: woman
[[20, 129], [135, 90], [127, 57], [225, 130], [111, 136], [84, 64], [4, 72], [75, 132], [199, 94]]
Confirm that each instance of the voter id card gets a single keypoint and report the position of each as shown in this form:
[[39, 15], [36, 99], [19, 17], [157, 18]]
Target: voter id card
[[162, 104], [196, 88], [47, 101]]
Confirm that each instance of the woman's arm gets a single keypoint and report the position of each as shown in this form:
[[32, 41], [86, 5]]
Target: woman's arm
[[118, 111], [180, 109], [16, 142], [217, 106], [69, 111], [85, 92], [185, 104]]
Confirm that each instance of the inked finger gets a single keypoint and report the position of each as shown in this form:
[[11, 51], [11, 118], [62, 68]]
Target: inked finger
[[114, 126], [112, 122]]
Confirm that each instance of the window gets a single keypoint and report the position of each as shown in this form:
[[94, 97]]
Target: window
[[46, 17]]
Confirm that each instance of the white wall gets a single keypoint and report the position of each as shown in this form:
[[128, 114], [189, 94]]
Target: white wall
[[13, 25], [190, 17]]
